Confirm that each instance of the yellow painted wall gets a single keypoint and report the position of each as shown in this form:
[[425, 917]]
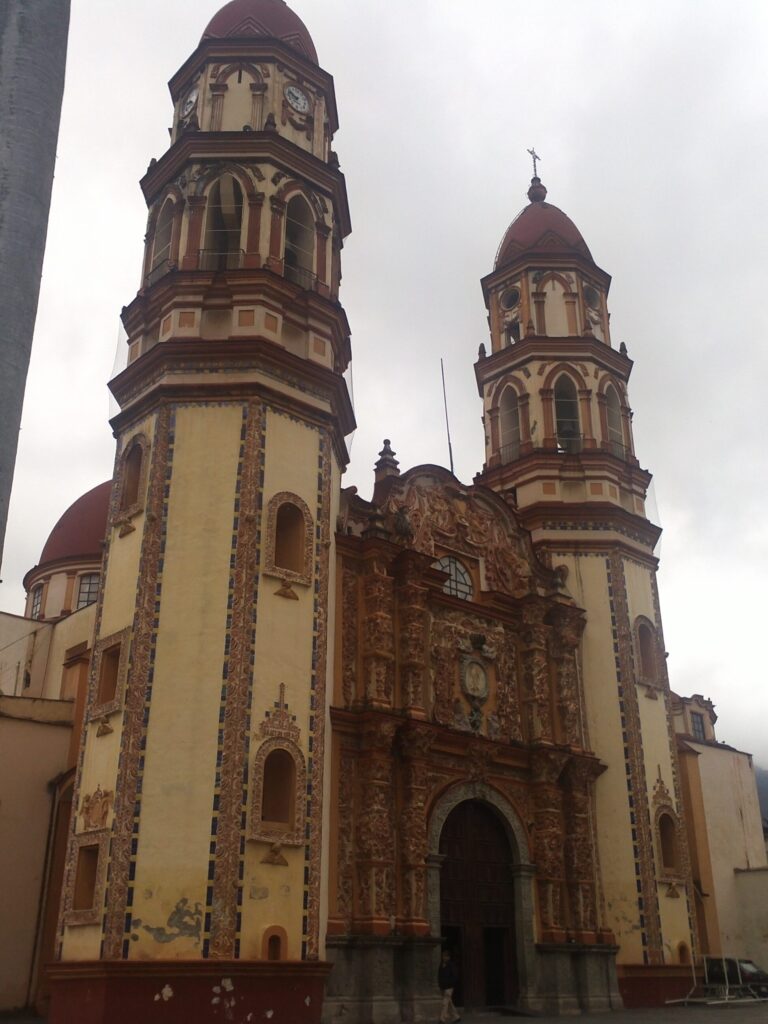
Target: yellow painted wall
[[587, 582], [75, 629], [274, 893], [178, 784], [24, 645]]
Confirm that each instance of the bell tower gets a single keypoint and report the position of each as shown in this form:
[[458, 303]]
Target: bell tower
[[204, 748], [559, 447]]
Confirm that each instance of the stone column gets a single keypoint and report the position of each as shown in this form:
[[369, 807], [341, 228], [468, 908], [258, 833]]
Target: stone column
[[375, 830], [536, 682], [412, 638], [546, 766], [415, 747], [378, 637], [580, 860]]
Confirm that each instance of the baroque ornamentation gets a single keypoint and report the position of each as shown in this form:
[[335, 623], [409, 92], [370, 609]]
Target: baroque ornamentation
[[95, 809], [270, 567]]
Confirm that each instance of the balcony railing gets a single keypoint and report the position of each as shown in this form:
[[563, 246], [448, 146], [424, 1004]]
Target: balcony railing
[[163, 267], [303, 278], [570, 444], [509, 452], [621, 451], [211, 259]]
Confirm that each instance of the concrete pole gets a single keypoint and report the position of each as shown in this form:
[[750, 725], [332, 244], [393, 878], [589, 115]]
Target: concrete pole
[[33, 51]]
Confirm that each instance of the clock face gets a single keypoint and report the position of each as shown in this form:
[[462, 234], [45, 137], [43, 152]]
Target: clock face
[[297, 98], [190, 103]]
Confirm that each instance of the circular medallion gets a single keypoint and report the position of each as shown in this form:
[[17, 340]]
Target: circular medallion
[[297, 98], [475, 680]]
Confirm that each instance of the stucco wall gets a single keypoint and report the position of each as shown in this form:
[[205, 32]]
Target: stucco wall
[[40, 746]]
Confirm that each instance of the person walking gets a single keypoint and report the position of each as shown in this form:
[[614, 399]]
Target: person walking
[[447, 979]]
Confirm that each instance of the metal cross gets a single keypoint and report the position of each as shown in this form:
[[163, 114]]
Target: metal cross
[[534, 157]]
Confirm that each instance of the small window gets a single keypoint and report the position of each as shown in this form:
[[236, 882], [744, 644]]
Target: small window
[[567, 415], [274, 948], [668, 842], [459, 582], [224, 219], [615, 429], [647, 644], [509, 426], [132, 467], [289, 538], [161, 249], [37, 601], [299, 255], [697, 726], [88, 589], [683, 953], [278, 793], [86, 874], [109, 673]]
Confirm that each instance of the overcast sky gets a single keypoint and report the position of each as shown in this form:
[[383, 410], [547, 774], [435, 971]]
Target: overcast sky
[[650, 120]]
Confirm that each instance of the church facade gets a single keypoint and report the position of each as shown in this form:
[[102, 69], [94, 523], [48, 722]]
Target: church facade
[[321, 736]]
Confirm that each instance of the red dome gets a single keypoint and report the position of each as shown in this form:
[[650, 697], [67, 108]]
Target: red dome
[[272, 19], [81, 530], [540, 228]]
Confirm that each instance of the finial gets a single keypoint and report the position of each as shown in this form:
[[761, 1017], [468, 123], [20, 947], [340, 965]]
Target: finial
[[387, 464]]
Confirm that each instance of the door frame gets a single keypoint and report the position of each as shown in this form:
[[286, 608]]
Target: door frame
[[521, 869]]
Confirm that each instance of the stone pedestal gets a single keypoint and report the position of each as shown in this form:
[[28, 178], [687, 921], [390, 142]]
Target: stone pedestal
[[572, 978], [382, 980]]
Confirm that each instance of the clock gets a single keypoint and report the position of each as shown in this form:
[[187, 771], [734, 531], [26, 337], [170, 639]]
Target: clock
[[190, 102], [297, 98]]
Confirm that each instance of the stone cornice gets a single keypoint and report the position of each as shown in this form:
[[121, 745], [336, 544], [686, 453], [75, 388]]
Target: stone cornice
[[569, 349]]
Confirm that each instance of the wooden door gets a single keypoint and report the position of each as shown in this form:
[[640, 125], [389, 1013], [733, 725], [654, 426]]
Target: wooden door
[[477, 905]]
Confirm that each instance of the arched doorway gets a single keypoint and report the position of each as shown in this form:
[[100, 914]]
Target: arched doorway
[[477, 904]]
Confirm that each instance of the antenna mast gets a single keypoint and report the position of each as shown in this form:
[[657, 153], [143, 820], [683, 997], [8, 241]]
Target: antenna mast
[[447, 424]]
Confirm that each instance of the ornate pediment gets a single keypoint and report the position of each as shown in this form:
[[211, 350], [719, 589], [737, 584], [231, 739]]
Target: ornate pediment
[[433, 515]]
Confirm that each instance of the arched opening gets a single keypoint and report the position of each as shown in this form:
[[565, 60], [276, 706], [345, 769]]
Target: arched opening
[[567, 415], [289, 538], [223, 226], [477, 905], [683, 953], [279, 788], [274, 948], [615, 428], [509, 426], [131, 477], [161, 247], [299, 255], [668, 842], [647, 644]]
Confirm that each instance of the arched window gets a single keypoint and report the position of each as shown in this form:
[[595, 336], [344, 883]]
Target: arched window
[[279, 788], [615, 428], [459, 582], [132, 467], [161, 247], [509, 426], [299, 256], [668, 842], [289, 538], [274, 943], [289, 546], [274, 948], [37, 602], [646, 642], [567, 415], [683, 953], [224, 221]]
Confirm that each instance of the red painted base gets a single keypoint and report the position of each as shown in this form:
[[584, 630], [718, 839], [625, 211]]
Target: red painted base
[[645, 986], [187, 992]]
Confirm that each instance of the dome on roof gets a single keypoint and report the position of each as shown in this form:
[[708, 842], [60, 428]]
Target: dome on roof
[[540, 228], [272, 19], [81, 530]]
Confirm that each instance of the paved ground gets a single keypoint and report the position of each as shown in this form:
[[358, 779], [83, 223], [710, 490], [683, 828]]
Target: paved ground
[[757, 1014]]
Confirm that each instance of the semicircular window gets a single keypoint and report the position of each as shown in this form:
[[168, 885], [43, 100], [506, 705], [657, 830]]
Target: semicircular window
[[459, 582]]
